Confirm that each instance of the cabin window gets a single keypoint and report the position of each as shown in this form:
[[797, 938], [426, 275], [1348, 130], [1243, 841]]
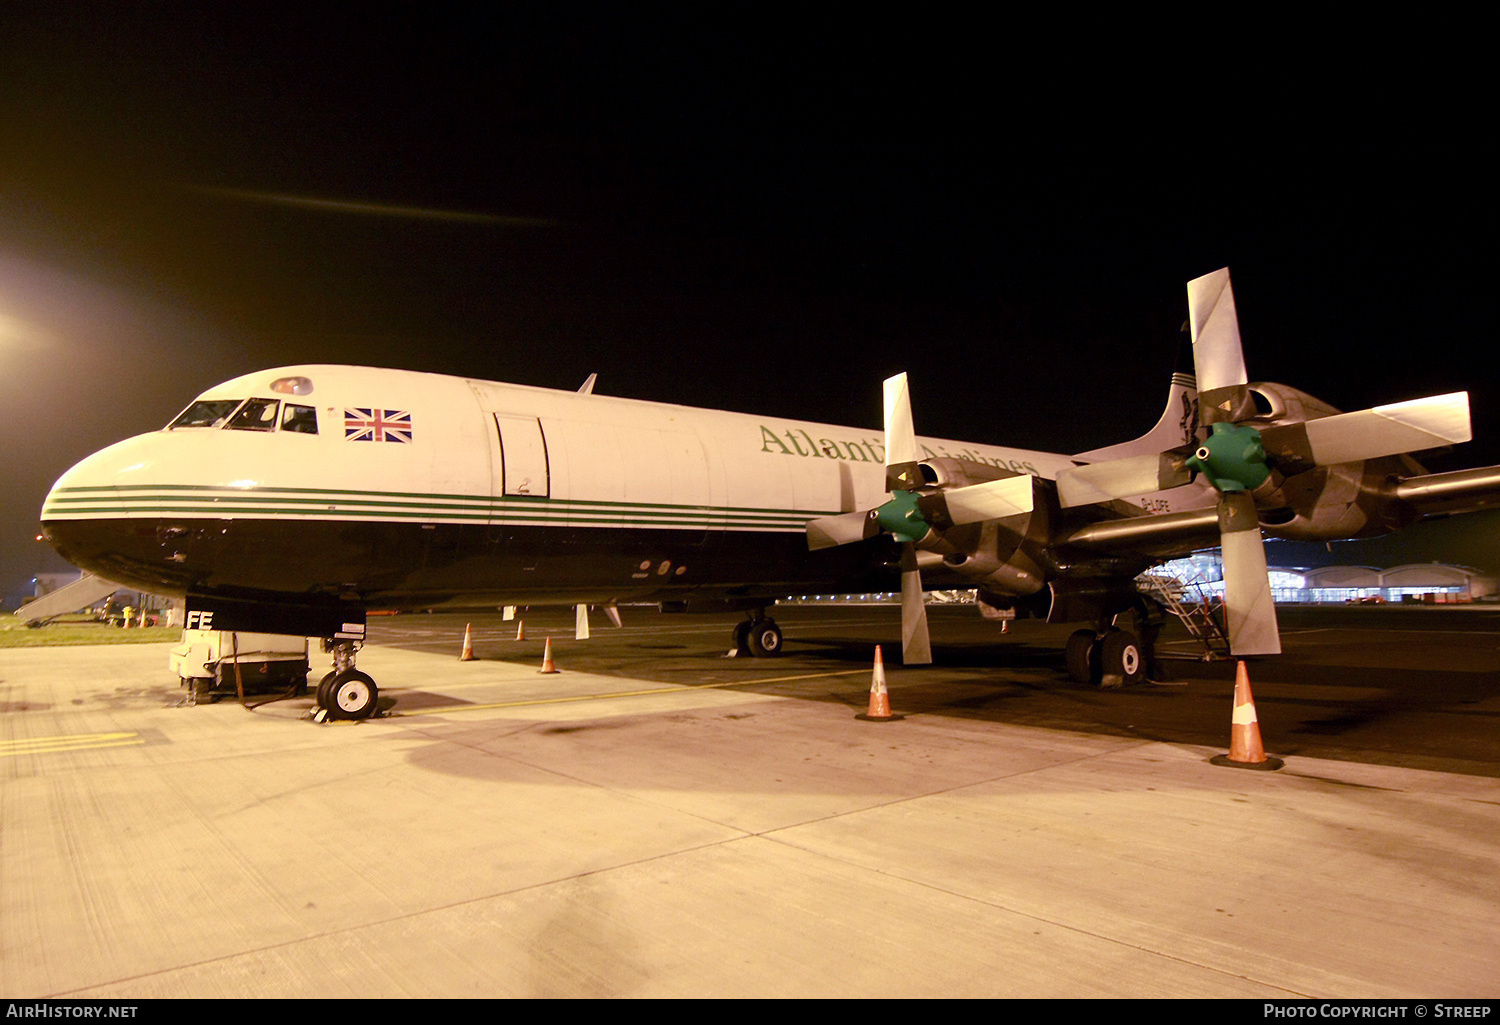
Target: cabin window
[[205, 413], [300, 419], [255, 415]]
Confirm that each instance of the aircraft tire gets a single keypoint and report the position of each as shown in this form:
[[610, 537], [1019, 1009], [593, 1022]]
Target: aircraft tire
[[1121, 659], [1082, 657], [764, 638], [352, 695], [322, 692]]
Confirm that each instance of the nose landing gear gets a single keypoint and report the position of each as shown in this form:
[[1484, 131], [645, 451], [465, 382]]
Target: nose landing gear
[[345, 694]]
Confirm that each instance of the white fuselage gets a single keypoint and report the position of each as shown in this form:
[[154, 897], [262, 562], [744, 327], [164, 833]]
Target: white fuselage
[[437, 486]]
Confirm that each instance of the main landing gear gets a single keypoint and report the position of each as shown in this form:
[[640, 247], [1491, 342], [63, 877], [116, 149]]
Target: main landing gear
[[759, 636], [1111, 659], [1111, 656], [345, 693]]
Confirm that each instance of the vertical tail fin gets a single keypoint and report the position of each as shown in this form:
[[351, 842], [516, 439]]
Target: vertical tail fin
[[1178, 425]]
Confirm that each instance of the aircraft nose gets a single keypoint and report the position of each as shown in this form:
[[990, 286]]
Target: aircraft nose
[[94, 516], [94, 485]]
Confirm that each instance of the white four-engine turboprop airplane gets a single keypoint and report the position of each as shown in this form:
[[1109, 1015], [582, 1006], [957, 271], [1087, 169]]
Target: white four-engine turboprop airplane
[[294, 500]]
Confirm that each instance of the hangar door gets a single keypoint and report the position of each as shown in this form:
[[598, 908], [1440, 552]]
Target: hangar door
[[524, 468]]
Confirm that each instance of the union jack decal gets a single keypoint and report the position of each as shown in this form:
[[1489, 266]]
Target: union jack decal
[[377, 425]]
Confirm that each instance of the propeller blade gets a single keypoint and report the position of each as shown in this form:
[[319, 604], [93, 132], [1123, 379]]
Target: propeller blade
[[901, 470], [992, 500], [1122, 478], [916, 647], [1433, 422], [1218, 360], [899, 516], [1248, 604], [843, 529]]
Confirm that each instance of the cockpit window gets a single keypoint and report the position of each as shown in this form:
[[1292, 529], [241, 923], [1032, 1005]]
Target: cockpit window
[[255, 415], [205, 413], [301, 419]]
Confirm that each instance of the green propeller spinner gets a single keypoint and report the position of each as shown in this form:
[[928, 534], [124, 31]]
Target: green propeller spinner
[[1233, 457], [901, 518]]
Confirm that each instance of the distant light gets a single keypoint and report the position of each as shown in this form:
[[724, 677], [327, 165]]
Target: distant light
[[292, 386]]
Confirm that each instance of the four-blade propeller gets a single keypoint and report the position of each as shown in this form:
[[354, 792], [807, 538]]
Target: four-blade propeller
[[1243, 457], [1238, 457], [916, 513]]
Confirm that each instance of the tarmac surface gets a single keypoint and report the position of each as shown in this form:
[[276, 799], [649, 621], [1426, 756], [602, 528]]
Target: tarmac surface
[[657, 820]]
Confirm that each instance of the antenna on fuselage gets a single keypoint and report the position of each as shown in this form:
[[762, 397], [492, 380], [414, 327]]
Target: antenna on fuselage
[[587, 388]]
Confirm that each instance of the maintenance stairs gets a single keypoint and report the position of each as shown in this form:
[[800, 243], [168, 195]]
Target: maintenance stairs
[[1199, 612]]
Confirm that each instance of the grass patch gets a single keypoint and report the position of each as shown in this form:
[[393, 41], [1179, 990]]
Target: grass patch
[[59, 634]]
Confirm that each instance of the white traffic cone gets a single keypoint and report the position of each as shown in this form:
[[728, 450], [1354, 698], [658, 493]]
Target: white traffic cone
[[547, 664], [880, 698], [1245, 749]]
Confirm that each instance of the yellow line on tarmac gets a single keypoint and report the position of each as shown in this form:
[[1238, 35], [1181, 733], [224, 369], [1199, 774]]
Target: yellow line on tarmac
[[683, 689], [74, 742], [788, 679]]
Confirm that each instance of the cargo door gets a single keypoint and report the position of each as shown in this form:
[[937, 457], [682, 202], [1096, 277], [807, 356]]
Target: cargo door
[[524, 470]]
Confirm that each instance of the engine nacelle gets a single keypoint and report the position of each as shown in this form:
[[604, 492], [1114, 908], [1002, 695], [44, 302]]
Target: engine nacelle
[[1281, 403], [1321, 503], [996, 557], [1004, 556]]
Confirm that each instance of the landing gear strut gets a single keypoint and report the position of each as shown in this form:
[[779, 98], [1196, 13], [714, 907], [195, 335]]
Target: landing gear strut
[[346, 693]]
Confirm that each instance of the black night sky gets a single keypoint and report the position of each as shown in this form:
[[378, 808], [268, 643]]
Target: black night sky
[[746, 207]]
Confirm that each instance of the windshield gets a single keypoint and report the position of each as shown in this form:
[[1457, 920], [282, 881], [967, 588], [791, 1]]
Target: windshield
[[248, 415], [300, 419], [205, 413], [255, 415]]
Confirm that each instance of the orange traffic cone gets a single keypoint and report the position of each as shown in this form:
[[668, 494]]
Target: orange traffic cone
[[468, 652], [520, 629], [547, 666], [880, 698], [1245, 748]]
